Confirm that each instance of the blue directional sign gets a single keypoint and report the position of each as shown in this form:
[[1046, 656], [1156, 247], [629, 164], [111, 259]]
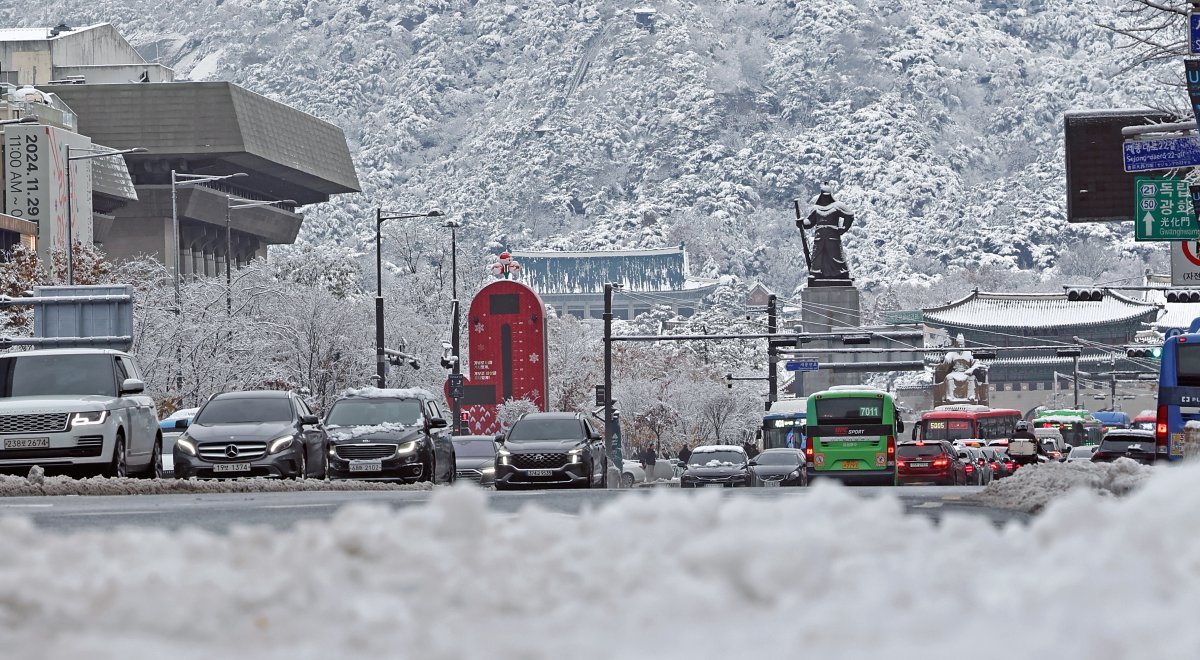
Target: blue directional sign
[[1164, 154], [802, 365], [1194, 34]]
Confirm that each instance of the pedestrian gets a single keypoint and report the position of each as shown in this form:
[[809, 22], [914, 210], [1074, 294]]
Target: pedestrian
[[685, 452], [751, 450]]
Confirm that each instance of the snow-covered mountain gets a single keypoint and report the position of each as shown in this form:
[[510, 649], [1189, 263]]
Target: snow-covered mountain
[[572, 124]]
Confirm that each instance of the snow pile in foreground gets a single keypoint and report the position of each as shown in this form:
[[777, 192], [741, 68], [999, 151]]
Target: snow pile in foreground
[[1033, 487], [831, 574], [36, 483]]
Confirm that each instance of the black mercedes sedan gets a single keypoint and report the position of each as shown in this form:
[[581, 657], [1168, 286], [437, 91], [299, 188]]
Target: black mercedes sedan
[[265, 433], [716, 466], [779, 467], [475, 458], [389, 435]]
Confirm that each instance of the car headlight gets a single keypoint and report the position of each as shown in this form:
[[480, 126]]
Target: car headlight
[[279, 444], [89, 418], [185, 444], [795, 473], [576, 455], [503, 455], [407, 448], [488, 470], [332, 449]]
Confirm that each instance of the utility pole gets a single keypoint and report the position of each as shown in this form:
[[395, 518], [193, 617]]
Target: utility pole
[[772, 366], [612, 446], [1075, 378]]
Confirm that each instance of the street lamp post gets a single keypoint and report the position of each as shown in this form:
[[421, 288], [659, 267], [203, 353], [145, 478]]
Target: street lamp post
[[380, 218], [230, 206], [90, 154], [455, 369]]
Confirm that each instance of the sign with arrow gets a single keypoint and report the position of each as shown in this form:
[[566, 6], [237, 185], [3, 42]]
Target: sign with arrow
[[1163, 208]]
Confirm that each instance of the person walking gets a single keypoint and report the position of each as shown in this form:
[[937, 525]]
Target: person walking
[[649, 458], [685, 452]]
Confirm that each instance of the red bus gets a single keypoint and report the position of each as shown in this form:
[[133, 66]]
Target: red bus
[[966, 421]]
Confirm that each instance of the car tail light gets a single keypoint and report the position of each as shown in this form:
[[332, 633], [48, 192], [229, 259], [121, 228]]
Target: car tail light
[[900, 464], [970, 468], [1008, 465], [891, 446], [941, 462], [1160, 431]]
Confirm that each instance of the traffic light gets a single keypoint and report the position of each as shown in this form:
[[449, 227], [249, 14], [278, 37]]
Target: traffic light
[[1183, 295], [1152, 352], [1085, 294], [728, 381]]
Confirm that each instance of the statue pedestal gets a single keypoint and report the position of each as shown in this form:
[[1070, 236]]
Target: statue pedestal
[[824, 307]]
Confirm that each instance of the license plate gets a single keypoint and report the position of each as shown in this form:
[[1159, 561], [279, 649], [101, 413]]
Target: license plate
[[918, 465], [366, 466], [541, 473], [26, 443], [231, 467], [714, 485], [851, 465], [771, 484]]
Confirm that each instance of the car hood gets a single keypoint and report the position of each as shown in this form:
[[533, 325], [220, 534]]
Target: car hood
[[389, 433], [23, 405], [474, 463], [773, 470], [533, 446], [722, 471], [219, 432]]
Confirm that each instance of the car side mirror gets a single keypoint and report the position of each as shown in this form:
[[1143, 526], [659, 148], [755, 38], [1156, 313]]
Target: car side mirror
[[181, 423], [753, 463], [899, 426], [438, 423], [309, 420], [132, 386], [499, 438]]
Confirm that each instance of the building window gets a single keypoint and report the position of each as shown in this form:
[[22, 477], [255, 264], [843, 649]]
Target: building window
[[597, 312], [621, 313], [686, 312], [638, 311], [577, 312]]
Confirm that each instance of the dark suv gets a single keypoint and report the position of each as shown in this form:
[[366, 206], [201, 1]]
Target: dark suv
[[929, 463], [389, 435], [549, 449], [1130, 443]]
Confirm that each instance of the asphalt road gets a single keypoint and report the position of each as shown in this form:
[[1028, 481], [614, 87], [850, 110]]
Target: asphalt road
[[218, 512]]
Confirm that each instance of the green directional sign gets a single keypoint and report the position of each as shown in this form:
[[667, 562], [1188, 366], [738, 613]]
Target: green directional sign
[[1164, 210]]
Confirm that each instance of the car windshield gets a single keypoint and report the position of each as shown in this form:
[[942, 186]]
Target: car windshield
[[465, 447], [778, 458], [532, 430], [374, 412], [1122, 444], [729, 457], [1082, 452], [245, 410], [42, 375], [919, 451]]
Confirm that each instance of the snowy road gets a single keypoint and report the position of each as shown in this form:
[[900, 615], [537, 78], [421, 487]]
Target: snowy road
[[219, 511]]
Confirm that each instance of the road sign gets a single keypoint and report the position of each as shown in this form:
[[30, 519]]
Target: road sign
[[1192, 70], [1194, 33], [1163, 154], [456, 386], [803, 365], [1185, 263], [601, 397], [1164, 210]]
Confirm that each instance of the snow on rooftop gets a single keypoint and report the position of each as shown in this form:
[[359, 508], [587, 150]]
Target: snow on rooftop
[[1177, 315], [669, 575], [39, 33], [1037, 310]]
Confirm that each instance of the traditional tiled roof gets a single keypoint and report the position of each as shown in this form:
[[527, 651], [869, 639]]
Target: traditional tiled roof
[[561, 272], [1177, 315], [1038, 311]]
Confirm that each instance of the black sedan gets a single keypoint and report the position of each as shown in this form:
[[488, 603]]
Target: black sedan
[[1130, 443], [779, 467], [252, 434], [475, 458], [716, 466], [389, 435]]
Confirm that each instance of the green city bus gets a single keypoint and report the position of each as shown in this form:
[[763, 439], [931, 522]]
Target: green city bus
[[852, 435]]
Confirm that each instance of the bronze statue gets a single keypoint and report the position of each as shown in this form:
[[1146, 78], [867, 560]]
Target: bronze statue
[[828, 220]]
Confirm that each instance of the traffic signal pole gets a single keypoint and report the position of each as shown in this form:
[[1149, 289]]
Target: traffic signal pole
[[772, 364], [611, 448]]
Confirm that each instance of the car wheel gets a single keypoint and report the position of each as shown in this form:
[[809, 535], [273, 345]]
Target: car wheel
[[118, 467], [155, 469], [604, 476], [626, 480], [428, 471], [302, 473]]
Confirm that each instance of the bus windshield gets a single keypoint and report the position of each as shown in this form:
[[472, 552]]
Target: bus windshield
[[782, 433], [1187, 365], [850, 410]]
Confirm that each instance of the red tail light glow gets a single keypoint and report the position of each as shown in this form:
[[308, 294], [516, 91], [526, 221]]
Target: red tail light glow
[[1160, 431], [1008, 465], [941, 462], [891, 446], [970, 468]]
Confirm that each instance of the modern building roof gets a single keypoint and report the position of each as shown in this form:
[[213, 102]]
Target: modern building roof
[[42, 33], [1038, 311], [652, 270], [300, 156]]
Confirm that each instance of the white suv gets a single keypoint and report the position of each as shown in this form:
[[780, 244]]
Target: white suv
[[77, 407]]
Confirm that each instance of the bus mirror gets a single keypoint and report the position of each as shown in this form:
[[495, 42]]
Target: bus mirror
[[899, 425]]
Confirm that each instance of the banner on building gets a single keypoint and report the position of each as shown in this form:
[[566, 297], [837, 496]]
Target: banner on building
[[35, 183]]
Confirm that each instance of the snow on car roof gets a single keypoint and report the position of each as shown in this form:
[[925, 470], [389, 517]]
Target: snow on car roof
[[707, 448], [389, 393]]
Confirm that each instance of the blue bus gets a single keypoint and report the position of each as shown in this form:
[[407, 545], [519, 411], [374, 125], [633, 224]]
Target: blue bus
[[1178, 395], [784, 424]]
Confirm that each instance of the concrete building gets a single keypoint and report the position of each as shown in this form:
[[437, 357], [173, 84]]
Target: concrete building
[[93, 54], [573, 282]]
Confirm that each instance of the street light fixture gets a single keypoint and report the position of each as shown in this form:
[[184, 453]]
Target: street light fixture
[[455, 367], [230, 206], [380, 218], [87, 155]]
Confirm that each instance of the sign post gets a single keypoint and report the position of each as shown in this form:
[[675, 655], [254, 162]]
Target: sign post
[[1163, 207]]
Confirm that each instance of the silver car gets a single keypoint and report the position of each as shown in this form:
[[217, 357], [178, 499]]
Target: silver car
[[475, 458]]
